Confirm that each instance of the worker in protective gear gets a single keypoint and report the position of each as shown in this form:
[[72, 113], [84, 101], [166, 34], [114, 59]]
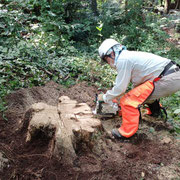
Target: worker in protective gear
[[152, 76]]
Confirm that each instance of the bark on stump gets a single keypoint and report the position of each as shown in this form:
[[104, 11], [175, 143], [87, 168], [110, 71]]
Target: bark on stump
[[70, 126]]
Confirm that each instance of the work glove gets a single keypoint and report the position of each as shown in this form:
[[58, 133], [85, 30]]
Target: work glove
[[100, 97]]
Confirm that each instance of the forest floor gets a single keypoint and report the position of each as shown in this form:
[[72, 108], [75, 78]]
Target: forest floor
[[153, 153]]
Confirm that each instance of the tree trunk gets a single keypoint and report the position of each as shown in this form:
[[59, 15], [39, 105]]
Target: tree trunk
[[177, 2], [126, 5], [94, 7], [167, 6]]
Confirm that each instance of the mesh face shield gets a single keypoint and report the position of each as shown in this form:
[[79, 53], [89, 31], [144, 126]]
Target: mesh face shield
[[117, 49], [108, 54]]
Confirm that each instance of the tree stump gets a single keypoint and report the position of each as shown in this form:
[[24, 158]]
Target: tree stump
[[70, 127]]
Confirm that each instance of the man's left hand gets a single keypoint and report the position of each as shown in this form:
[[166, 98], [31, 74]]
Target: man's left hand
[[100, 97]]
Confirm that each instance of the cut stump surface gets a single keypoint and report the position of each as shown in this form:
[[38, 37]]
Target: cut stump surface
[[70, 125]]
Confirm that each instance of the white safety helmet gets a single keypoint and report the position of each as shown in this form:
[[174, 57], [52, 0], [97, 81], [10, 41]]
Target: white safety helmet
[[105, 46]]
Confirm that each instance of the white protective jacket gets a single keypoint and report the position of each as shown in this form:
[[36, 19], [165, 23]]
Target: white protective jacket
[[136, 67]]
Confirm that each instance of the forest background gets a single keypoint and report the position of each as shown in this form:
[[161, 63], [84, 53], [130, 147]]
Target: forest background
[[44, 40]]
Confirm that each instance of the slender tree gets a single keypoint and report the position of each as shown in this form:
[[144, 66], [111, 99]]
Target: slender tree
[[177, 2], [167, 6], [94, 7]]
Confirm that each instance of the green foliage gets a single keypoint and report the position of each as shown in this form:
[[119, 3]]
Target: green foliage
[[58, 40], [173, 110], [91, 70], [178, 27], [133, 26]]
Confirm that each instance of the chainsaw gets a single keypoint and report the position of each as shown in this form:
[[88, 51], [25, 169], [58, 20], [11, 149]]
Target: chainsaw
[[105, 110]]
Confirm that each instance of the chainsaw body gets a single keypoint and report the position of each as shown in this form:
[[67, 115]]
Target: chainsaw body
[[105, 110]]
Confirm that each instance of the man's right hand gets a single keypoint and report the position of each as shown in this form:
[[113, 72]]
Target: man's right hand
[[100, 97]]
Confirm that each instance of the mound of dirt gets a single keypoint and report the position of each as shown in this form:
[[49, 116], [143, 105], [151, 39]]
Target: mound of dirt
[[150, 154]]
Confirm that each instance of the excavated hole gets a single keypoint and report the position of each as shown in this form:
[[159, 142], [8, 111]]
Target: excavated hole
[[43, 135]]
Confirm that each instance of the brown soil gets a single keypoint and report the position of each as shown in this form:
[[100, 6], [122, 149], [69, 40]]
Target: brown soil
[[153, 153]]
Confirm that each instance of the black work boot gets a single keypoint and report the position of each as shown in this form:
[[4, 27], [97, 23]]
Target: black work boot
[[155, 109], [116, 134]]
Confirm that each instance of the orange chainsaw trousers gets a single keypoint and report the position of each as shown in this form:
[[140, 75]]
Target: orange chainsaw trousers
[[130, 105]]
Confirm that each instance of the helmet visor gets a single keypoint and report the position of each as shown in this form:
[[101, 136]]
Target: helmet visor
[[104, 55]]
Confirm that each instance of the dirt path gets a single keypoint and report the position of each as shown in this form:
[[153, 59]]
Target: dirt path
[[153, 153]]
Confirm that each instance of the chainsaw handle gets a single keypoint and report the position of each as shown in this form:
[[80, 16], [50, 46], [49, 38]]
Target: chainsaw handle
[[96, 97]]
